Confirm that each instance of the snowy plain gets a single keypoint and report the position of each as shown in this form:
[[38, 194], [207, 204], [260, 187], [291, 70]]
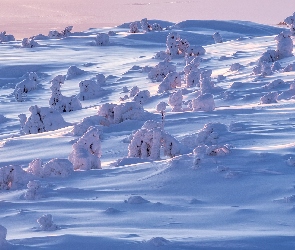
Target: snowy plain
[[230, 185]]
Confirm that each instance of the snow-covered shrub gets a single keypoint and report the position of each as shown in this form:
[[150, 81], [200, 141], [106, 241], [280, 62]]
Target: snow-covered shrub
[[6, 38], [175, 101], [269, 98], [192, 64], [162, 55], [204, 102], [210, 133], [3, 233], [161, 70], [192, 79], [64, 33], [147, 142], [29, 43], [87, 151], [206, 84], [34, 191], [171, 81], [128, 111], [136, 199], [195, 50], [53, 168], [235, 67], [133, 91], [284, 44], [133, 28], [26, 86], [107, 111], [172, 43], [183, 46], [161, 107], [290, 67], [102, 39], [100, 79], [42, 119], [145, 25], [46, 223], [89, 89], [156, 27], [275, 83], [91, 121], [58, 101], [217, 37], [74, 71], [142, 96], [12, 177], [290, 20]]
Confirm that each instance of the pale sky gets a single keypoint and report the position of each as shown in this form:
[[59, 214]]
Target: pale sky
[[31, 17]]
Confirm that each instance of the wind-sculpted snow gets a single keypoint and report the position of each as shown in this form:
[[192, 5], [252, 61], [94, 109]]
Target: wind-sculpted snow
[[148, 135]]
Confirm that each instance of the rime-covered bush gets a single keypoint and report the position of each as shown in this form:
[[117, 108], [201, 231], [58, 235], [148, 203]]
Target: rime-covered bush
[[175, 101], [29, 43], [161, 70], [91, 121], [161, 108], [192, 79], [284, 44], [142, 97], [145, 25], [42, 119], [64, 33], [172, 43], [6, 38], [192, 64], [290, 20], [204, 102], [59, 102], [195, 50], [74, 71], [269, 98], [46, 223], [34, 190], [183, 46], [3, 233], [210, 133], [25, 86], [86, 151], [133, 91], [148, 141], [156, 27], [133, 28], [53, 168], [107, 111], [102, 39], [89, 89], [274, 84], [171, 81], [206, 84], [236, 67], [217, 37], [12, 177], [128, 111]]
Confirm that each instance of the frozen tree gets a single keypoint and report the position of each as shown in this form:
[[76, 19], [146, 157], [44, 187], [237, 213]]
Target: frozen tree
[[206, 83], [172, 43], [284, 44], [25, 86], [142, 97], [133, 91], [171, 81], [217, 37], [156, 27], [86, 151], [161, 107], [102, 39], [42, 119], [107, 111], [133, 28], [274, 84], [145, 25], [46, 223], [192, 64], [161, 70], [128, 111], [175, 101], [269, 98], [74, 71], [210, 134], [58, 101], [12, 177], [34, 191], [204, 102], [95, 121], [183, 46], [290, 20], [53, 168], [100, 79], [90, 89], [6, 38], [192, 79], [3, 233], [29, 43], [64, 33], [147, 142]]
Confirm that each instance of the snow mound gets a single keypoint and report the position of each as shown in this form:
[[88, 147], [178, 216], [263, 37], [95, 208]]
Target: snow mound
[[46, 223], [136, 199]]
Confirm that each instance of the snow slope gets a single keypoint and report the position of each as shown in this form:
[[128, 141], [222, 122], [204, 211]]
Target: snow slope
[[230, 186]]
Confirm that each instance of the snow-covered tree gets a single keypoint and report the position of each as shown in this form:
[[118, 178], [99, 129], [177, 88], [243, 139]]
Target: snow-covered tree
[[89, 89], [206, 83], [25, 86], [87, 151], [29, 43], [269, 98], [6, 38], [12, 177], [147, 142], [142, 97], [34, 191], [102, 39], [133, 28], [64, 33], [204, 102], [161, 70], [42, 119], [161, 107], [290, 20], [284, 44], [175, 101], [95, 121], [46, 223], [217, 37], [145, 25], [172, 43], [74, 71], [171, 81], [59, 102]]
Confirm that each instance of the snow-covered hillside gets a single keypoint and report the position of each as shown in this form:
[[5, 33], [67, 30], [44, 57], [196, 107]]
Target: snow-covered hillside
[[149, 135]]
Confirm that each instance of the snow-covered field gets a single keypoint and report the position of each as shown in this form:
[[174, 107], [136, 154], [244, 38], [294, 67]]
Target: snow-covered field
[[159, 139]]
